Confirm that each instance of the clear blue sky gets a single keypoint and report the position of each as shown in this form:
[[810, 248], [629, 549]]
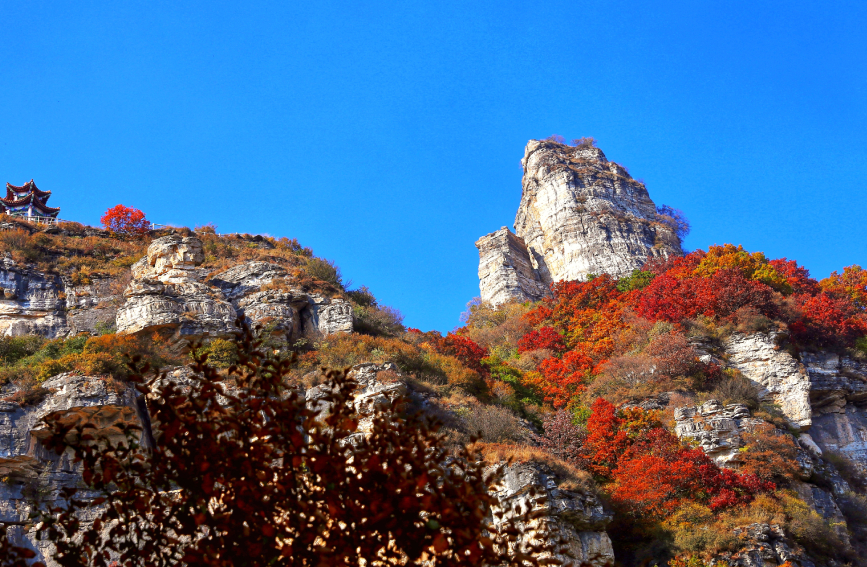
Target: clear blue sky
[[387, 136]]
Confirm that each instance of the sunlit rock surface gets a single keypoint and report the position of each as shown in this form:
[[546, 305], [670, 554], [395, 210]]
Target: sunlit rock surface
[[579, 214]]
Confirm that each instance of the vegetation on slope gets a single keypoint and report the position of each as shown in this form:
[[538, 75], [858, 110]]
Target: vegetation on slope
[[560, 367]]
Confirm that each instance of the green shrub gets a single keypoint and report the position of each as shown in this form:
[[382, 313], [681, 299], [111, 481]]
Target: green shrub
[[324, 270], [13, 349], [636, 280], [221, 353]]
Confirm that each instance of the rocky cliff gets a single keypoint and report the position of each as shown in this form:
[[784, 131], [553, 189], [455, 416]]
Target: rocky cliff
[[32, 477], [579, 214], [169, 292], [823, 395], [35, 302]]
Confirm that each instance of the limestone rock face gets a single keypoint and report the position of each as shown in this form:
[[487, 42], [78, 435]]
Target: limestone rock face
[[165, 293], [763, 545], [779, 378], [92, 307], [717, 429], [572, 513], [579, 214], [838, 395], [30, 302], [292, 310], [505, 270], [719, 432], [30, 473], [169, 292]]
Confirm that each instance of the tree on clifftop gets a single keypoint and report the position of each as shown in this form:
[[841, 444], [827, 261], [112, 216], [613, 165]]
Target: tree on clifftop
[[125, 220]]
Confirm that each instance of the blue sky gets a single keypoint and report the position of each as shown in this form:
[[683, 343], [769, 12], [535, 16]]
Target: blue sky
[[387, 136]]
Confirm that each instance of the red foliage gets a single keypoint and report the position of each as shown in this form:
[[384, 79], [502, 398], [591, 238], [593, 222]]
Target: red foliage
[[851, 284], [797, 276], [650, 473], [718, 296], [546, 337], [465, 350], [125, 220], [563, 377], [588, 314], [828, 320]]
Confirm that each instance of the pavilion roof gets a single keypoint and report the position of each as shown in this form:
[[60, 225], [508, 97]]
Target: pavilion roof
[[30, 187], [34, 196]]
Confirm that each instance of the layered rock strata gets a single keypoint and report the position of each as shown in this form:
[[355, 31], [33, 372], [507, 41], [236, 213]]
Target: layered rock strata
[[778, 377], [838, 399], [719, 431], [32, 476], [34, 302], [572, 514], [506, 272], [824, 395], [579, 214], [169, 292], [716, 428]]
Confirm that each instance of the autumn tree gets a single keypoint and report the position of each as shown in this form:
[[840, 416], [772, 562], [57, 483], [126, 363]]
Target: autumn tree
[[244, 472], [649, 473], [125, 220]]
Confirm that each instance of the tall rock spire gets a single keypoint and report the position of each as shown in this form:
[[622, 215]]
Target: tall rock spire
[[579, 214]]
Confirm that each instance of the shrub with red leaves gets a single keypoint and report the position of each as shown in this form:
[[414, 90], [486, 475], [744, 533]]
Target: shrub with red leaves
[[562, 438], [718, 296], [649, 473], [249, 474], [465, 350], [125, 220], [546, 337]]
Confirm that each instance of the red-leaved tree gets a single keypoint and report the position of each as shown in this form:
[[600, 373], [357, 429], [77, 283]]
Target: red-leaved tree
[[125, 220], [649, 473]]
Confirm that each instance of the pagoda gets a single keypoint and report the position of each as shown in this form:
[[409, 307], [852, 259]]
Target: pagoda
[[27, 201]]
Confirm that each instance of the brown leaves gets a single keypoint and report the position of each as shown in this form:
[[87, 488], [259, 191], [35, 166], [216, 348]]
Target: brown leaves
[[261, 479]]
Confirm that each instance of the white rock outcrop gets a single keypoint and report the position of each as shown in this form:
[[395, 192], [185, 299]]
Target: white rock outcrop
[[571, 514], [778, 377], [716, 428], [30, 474], [579, 214], [838, 397], [168, 291]]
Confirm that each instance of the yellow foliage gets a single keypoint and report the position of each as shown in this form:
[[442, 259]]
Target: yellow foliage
[[753, 266]]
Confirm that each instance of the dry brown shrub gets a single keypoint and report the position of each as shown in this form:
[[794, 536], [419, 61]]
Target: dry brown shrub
[[750, 320], [500, 326], [770, 455], [495, 424], [572, 477], [734, 388], [530, 360]]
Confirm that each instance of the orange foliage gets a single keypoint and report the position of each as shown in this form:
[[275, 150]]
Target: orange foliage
[[752, 266], [852, 284]]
